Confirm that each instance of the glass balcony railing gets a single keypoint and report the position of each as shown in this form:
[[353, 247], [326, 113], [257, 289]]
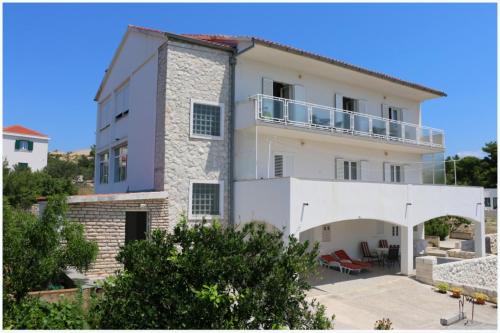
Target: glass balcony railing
[[298, 113]]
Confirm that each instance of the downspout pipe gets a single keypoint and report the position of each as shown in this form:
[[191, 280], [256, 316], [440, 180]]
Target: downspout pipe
[[232, 120]]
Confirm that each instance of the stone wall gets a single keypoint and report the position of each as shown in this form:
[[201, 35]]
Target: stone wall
[[493, 243], [201, 73], [474, 275], [104, 222]]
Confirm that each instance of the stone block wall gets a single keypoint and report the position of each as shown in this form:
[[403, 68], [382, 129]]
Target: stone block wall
[[200, 73], [104, 222]]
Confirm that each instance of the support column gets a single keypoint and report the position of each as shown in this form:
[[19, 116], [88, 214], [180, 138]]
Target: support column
[[406, 250], [479, 237], [421, 231]]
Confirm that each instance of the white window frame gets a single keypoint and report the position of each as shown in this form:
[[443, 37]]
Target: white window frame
[[100, 162], [113, 149], [358, 176], [222, 120], [401, 173], [192, 216]]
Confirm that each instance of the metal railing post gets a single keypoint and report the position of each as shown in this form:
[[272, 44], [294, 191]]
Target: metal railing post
[[387, 129]]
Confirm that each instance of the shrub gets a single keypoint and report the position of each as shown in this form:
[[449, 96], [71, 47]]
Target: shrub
[[383, 324], [442, 287], [437, 227], [21, 186], [34, 313], [213, 278], [37, 250], [480, 297]]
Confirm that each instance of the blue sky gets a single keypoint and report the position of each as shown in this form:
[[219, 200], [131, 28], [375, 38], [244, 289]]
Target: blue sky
[[55, 55]]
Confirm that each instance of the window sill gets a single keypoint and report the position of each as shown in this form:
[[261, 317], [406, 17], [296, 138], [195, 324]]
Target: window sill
[[121, 115], [206, 137]]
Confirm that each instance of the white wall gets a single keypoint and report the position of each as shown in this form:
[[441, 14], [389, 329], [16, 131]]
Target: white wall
[[36, 159], [490, 193], [319, 90], [138, 63], [315, 159]]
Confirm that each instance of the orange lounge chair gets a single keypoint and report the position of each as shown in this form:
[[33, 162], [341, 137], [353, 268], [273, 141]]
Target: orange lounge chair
[[342, 255], [344, 266]]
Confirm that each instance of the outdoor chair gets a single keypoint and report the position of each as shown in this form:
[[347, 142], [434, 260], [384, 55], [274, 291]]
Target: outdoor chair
[[344, 258], [367, 254], [383, 243], [343, 266], [393, 255]]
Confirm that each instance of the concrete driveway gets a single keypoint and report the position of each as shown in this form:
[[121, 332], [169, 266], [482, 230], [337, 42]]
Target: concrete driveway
[[359, 300]]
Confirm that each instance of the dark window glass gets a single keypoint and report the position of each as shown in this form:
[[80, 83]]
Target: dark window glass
[[205, 200]]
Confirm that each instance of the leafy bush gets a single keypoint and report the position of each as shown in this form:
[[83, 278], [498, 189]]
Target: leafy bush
[[437, 227], [37, 250], [383, 324], [213, 278], [33, 313], [21, 186], [442, 287]]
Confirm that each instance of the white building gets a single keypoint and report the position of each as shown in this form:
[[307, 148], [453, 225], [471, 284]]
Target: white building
[[241, 129], [490, 199], [25, 147]]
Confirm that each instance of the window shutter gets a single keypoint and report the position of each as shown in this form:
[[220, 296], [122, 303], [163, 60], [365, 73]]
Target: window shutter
[[386, 172], [17, 145], [339, 99], [362, 106], [385, 111], [299, 93], [267, 86], [402, 115], [278, 165], [30, 145], [339, 168], [363, 170]]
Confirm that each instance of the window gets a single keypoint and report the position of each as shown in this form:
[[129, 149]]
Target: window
[[349, 104], [494, 202], [136, 226], [395, 113], [120, 163], [22, 166], [350, 170], [122, 102], [104, 114], [396, 173], [103, 168], [23, 145], [326, 235], [207, 120], [395, 231], [487, 202], [278, 165], [206, 199]]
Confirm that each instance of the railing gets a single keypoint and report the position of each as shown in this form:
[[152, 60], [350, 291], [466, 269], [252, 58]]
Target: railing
[[303, 114]]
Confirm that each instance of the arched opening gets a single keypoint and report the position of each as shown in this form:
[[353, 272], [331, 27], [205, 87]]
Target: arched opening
[[348, 235]]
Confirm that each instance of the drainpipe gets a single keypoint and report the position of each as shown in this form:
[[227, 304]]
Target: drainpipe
[[232, 64]]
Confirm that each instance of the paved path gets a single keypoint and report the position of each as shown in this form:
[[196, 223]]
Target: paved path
[[360, 300]]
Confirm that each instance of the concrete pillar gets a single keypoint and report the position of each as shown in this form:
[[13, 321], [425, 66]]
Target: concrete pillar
[[407, 250], [479, 238], [421, 231]]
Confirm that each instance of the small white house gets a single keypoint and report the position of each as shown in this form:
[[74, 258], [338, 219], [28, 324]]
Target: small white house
[[490, 199], [25, 147]]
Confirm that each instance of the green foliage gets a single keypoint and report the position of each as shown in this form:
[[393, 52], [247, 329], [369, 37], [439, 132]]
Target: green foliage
[[211, 277], [37, 250], [65, 166], [33, 313], [472, 171], [443, 287], [437, 227], [383, 324], [22, 187]]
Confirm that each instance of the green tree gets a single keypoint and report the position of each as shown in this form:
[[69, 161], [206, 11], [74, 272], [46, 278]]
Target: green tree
[[490, 165], [21, 187], [36, 251], [212, 277]]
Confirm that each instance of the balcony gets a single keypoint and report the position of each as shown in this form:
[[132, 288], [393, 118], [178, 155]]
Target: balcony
[[294, 113]]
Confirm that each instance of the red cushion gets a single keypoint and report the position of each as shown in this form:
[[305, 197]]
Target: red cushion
[[363, 264], [328, 258], [342, 255], [351, 265]]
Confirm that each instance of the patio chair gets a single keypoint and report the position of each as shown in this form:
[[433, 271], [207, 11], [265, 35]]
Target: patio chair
[[393, 255], [367, 254], [383, 243], [343, 266], [344, 258]]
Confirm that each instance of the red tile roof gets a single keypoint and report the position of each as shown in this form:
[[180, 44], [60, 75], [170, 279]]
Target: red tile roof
[[18, 129]]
